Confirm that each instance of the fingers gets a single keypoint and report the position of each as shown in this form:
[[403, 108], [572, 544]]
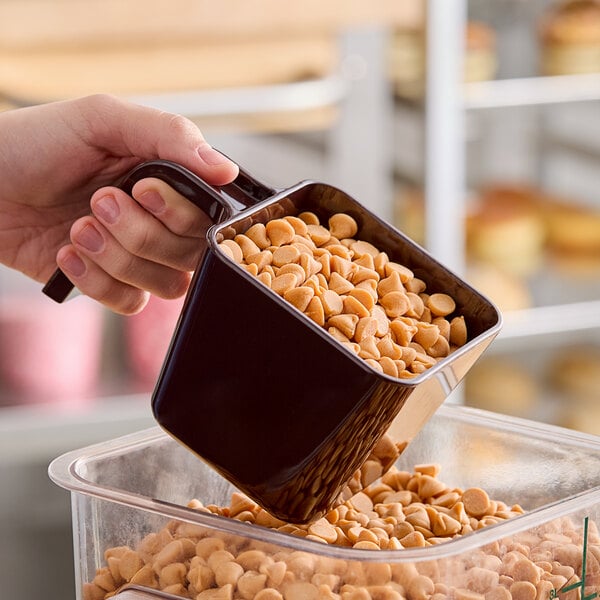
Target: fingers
[[92, 281], [127, 246], [162, 226]]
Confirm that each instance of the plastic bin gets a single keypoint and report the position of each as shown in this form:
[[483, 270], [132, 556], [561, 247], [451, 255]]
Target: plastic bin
[[128, 488]]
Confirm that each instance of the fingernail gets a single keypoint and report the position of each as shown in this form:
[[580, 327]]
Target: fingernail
[[152, 201], [211, 156], [72, 264], [89, 237], [107, 209]]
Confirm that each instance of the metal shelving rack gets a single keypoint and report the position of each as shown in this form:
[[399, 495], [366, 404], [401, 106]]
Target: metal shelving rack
[[448, 102]]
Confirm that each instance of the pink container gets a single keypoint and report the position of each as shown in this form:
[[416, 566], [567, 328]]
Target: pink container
[[48, 354], [147, 338]]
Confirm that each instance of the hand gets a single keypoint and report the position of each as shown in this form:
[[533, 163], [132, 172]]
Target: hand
[[57, 162]]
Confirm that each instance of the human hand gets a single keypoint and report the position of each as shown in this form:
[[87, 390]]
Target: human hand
[[58, 161]]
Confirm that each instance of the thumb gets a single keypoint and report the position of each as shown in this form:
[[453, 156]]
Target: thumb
[[132, 130]]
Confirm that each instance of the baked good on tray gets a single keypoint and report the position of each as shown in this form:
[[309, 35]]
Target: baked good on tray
[[505, 229], [408, 58], [570, 38], [503, 385]]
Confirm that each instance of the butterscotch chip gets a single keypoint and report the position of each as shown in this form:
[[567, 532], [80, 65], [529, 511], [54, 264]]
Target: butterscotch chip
[[309, 218], [258, 234], [523, 590], [342, 226], [318, 234], [403, 331], [389, 366], [342, 266], [260, 259], [338, 335], [368, 349], [323, 529], [366, 261], [246, 244], [415, 539], [364, 297], [295, 269], [338, 250], [417, 306], [364, 274], [280, 232], [366, 327], [441, 305], [373, 363], [476, 502], [145, 577], [406, 275], [346, 323], [444, 326], [315, 311], [265, 278], [339, 284], [371, 286], [353, 306], [251, 268], [298, 224], [332, 303], [458, 331], [299, 297], [415, 285], [310, 265], [439, 348], [283, 283], [360, 247], [129, 564], [426, 334], [233, 250], [383, 323], [92, 592], [284, 255], [395, 304], [104, 579]]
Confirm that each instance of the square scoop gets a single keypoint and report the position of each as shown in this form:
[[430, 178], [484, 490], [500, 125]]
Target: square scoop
[[269, 398]]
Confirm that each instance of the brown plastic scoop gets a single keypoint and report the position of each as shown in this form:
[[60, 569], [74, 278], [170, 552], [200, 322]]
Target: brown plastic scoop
[[260, 391]]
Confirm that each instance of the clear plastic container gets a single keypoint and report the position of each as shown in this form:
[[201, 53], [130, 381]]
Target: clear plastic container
[[128, 488]]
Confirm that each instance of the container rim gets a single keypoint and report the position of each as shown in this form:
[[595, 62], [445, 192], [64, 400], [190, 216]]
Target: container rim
[[64, 471]]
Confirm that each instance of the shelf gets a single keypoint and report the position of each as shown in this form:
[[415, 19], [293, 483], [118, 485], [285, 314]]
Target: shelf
[[531, 91], [543, 320], [39, 432]]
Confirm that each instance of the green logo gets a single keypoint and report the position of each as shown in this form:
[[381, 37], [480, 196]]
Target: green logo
[[581, 583]]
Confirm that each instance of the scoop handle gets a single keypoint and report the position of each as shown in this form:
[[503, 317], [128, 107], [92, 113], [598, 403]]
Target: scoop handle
[[219, 203]]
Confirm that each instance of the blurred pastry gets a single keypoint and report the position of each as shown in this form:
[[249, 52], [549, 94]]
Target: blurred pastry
[[408, 64], [572, 228], [570, 38], [581, 418], [501, 385], [574, 372], [409, 213], [480, 59], [505, 229], [508, 291]]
